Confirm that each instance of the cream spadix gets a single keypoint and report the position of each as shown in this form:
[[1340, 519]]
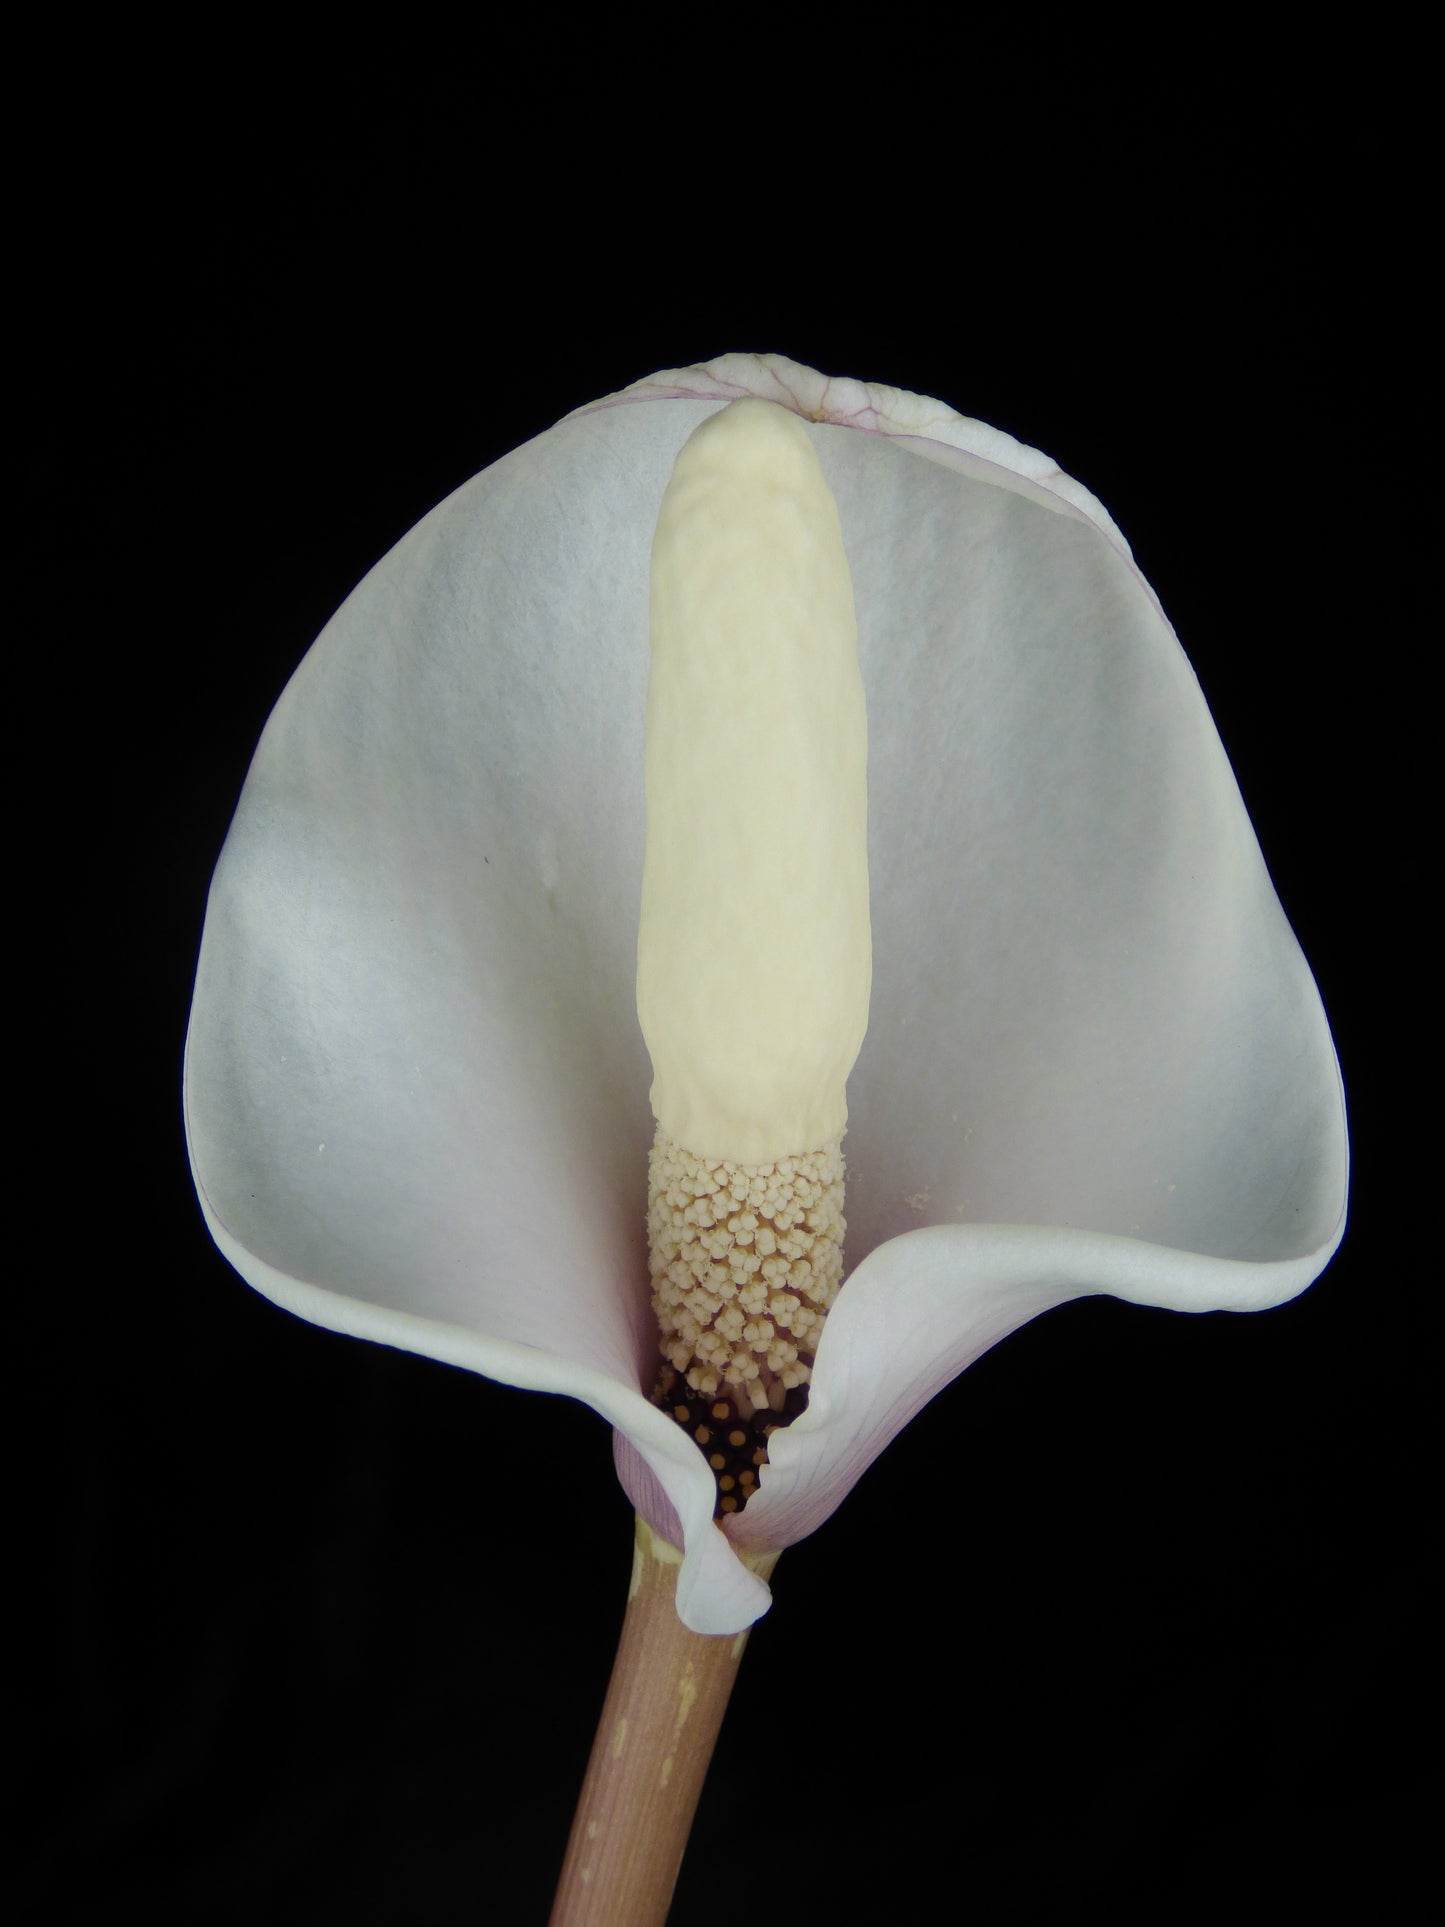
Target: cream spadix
[[754, 953]]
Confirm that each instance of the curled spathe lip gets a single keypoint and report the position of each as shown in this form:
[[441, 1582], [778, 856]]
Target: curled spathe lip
[[416, 1092]]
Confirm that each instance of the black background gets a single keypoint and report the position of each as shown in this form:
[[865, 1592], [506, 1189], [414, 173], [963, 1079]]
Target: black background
[[1130, 1623]]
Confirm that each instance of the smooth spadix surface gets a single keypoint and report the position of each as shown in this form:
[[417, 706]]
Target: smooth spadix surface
[[416, 1091], [753, 957]]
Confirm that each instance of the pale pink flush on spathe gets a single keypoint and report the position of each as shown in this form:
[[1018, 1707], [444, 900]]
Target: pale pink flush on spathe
[[416, 1091]]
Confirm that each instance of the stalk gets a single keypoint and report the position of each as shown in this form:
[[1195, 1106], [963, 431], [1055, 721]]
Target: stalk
[[665, 1703]]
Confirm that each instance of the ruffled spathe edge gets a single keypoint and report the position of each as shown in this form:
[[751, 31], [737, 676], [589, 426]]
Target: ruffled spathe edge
[[873, 408]]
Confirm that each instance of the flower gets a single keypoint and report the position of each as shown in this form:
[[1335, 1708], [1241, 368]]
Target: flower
[[416, 1091]]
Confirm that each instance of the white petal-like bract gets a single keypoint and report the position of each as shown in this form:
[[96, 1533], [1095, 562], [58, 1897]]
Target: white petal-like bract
[[1096, 1061]]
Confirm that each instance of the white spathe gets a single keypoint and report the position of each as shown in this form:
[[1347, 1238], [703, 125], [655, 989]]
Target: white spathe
[[1096, 1061]]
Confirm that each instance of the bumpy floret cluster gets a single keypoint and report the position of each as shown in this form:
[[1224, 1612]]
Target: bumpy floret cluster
[[745, 1261]]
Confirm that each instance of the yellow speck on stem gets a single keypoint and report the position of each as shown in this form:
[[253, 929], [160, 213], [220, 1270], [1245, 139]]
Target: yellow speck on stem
[[686, 1696]]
